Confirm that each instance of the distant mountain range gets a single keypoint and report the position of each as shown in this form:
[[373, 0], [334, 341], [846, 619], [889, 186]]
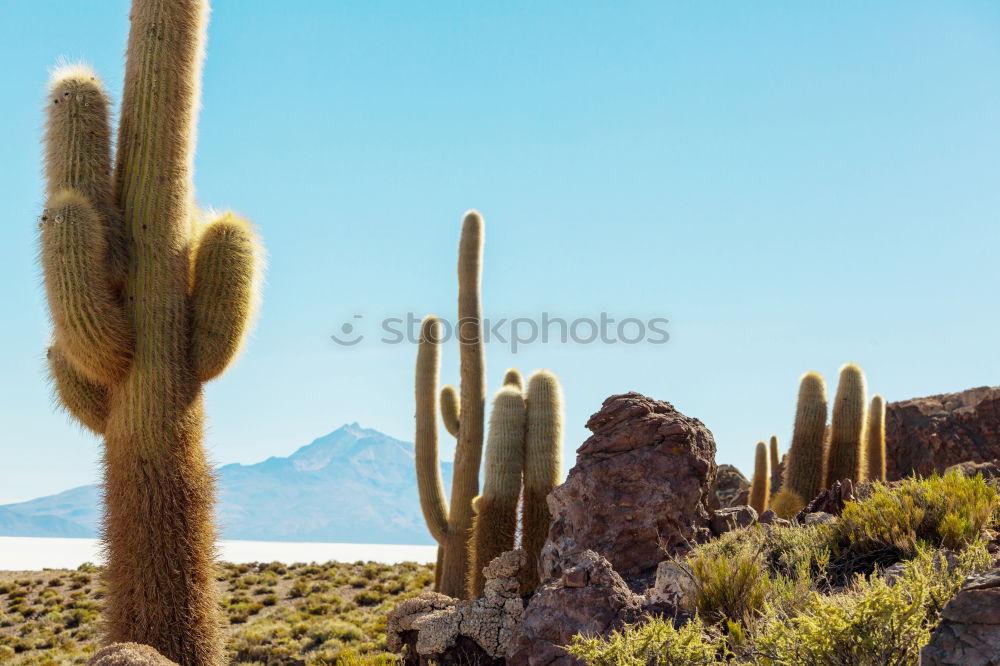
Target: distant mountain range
[[354, 485]]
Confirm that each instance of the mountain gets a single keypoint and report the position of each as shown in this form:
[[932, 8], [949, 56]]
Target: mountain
[[355, 485]]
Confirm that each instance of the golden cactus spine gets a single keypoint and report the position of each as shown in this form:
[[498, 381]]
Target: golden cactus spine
[[144, 311], [462, 411], [760, 484], [875, 440], [804, 473], [495, 522], [846, 456]]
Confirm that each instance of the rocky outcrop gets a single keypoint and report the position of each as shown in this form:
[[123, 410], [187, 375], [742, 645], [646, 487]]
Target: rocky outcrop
[[129, 654], [924, 435], [990, 469], [588, 598], [730, 489], [969, 631], [830, 500], [639, 490], [437, 629], [725, 520]]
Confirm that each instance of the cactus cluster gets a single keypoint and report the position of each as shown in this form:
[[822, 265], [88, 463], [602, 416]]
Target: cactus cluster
[[851, 446], [523, 450], [147, 305]]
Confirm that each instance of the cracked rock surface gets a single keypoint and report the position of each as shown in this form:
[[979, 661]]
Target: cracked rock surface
[[969, 631]]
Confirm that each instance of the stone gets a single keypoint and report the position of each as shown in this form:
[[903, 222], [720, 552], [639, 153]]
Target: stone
[[129, 654], [674, 587], [768, 517], [557, 612], [969, 630], [926, 435], [818, 518], [725, 520], [830, 500], [731, 488], [990, 469], [639, 490], [894, 572], [437, 629]]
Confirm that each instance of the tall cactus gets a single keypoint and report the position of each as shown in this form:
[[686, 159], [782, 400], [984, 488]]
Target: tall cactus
[[145, 309], [876, 440], [804, 473], [775, 460], [462, 413], [760, 484], [846, 456]]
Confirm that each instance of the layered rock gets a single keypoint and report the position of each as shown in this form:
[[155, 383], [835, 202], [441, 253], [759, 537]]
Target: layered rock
[[639, 490], [588, 598], [438, 629], [969, 631], [925, 435], [730, 489]]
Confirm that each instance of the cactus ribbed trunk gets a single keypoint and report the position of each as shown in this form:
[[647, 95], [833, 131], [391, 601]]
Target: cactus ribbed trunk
[[775, 459], [138, 328], [469, 451], [875, 440], [804, 473], [542, 467], [846, 456]]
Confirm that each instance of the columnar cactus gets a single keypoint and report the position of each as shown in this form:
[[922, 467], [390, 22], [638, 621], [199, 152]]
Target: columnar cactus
[[145, 309], [775, 459], [804, 473], [875, 459], [760, 484], [462, 413], [846, 456]]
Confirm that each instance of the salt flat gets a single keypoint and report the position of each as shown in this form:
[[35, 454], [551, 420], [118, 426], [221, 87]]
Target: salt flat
[[32, 553]]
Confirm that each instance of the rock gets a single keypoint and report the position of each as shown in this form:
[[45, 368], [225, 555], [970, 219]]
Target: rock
[[674, 587], [731, 488], [969, 631], [818, 518], [640, 489], [768, 517], [895, 572], [438, 629], [925, 435], [830, 500], [724, 520], [557, 612], [129, 654], [990, 469]]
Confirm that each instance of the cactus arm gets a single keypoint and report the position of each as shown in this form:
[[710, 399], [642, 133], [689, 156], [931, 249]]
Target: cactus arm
[[223, 293], [806, 456], [847, 428], [495, 521], [85, 400], [90, 324], [469, 450], [513, 378], [450, 411], [78, 154], [542, 465], [429, 483]]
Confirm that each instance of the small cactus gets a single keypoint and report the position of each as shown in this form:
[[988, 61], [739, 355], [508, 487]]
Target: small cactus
[[846, 456], [786, 503], [760, 485], [804, 470], [875, 459]]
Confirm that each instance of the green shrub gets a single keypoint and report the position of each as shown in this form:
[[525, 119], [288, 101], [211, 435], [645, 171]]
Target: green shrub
[[656, 642]]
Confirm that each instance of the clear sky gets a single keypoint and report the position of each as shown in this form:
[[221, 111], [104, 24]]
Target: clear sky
[[794, 185]]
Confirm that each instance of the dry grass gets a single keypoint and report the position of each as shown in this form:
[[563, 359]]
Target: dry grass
[[308, 614]]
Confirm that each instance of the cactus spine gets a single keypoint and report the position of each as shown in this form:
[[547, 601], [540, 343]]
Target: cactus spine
[[144, 311], [804, 473], [760, 485], [846, 456], [876, 440], [462, 411], [775, 459]]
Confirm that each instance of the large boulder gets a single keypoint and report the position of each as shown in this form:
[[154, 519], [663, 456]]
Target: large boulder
[[969, 631], [925, 435], [588, 598], [638, 493]]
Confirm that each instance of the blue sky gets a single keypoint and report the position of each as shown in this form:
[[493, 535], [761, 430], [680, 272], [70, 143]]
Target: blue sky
[[794, 185]]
